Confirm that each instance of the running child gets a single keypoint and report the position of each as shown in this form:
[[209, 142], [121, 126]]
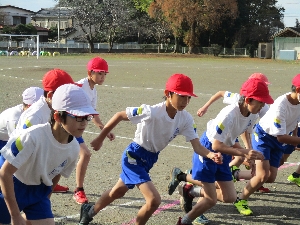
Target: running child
[[39, 112], [157, 126], [220, 136], [271, 133], [97, 68], [38, 156]]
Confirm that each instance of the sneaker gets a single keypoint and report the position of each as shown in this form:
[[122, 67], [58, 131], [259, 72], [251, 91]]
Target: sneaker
[[85, 219], [263, 189], [201, 220], [186, 200], [293, 179], [60, 189], [174, 182], [234, 171], [179, 222], [80, 197], [242, 206]]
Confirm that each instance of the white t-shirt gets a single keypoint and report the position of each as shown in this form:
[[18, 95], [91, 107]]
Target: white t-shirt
[[229, 124], [39, 157], [232, 98], [92, 93], [282, 118], [37, 113], [8, 121], [155, 129]]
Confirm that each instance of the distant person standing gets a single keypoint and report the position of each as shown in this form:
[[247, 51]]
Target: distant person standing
[[97, 69]]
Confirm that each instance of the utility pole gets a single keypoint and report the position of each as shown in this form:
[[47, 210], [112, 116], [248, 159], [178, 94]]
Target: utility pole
[[58, 26]]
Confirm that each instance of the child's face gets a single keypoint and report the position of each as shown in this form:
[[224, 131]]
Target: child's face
[[179, 102], [98, 77], [75, 125], [255, 106]]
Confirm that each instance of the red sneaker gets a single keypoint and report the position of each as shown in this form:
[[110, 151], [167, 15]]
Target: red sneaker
[[262, 189], [80, 197], [60, 189]]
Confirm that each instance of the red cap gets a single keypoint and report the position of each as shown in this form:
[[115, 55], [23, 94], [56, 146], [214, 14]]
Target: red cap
[[55, 78], [180, 84], [256, 89], [296, 80], [97, 64], [261, 77]]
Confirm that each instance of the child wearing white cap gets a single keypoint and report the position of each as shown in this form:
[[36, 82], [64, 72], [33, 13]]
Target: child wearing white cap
[[38, 156], [10, 116]]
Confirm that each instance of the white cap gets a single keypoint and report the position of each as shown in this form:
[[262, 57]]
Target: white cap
[[72, 99], [32, 94]]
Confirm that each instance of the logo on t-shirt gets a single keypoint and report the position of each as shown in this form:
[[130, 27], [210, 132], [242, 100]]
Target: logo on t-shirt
[[220, 127], [277, 123]]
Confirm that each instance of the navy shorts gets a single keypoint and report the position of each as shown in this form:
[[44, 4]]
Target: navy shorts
[[267, 145], [206, 170], [136, 164], [32, 200], [80, 140], [288, 149]]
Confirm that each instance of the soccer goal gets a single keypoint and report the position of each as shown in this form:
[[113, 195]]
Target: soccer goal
[[21, 35]]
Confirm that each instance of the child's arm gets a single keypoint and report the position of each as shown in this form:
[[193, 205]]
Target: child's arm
[[55, 181], [248, 153], [98, 123], [288, 139], [246, 139], [214, 98], [8, 191], [204, 152], [118, 117]]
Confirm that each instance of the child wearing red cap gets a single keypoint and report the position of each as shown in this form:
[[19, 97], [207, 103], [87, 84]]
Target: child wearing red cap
[[220, 136], [38, 156], [97, 68], [232, 98], [39, 112], [271, 134], [157, 126]]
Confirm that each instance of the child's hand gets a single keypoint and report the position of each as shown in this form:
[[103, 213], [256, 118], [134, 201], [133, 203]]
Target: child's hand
[[201, 111], [255, 155], [218, 158], [96, 145], [111, 136]]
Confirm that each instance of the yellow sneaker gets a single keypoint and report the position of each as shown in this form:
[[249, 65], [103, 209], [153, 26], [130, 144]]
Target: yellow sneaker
[[293, 179], [242, 206]]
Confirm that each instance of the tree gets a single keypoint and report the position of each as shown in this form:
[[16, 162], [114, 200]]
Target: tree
[[190, 17], [297, 24]]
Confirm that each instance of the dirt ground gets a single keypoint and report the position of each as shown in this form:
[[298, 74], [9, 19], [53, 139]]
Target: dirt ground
[[137, 79]]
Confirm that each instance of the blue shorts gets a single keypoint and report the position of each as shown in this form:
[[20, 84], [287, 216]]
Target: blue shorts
[[136, 164], [80, 140], [267, 145], [206, 170], [2, 159], [32, 200]]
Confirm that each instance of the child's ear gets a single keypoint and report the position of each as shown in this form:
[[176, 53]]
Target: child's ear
[[167, 93], [89, 72], [57, 117], [297, 89], [50, 95], [247, 100]]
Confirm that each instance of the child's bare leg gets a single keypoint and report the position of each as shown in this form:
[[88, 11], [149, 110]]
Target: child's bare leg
[[264, 173], [284, 158], [208, 200], [82, 164], [44, 222], [118, 191], [226, 192], [153, 201], [245, 175]]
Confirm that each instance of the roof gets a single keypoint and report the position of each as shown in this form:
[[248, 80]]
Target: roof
[[288, 32], [11, 6], [53, 12]]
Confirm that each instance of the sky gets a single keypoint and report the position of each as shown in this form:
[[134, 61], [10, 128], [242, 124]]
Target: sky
[[292, 7]]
